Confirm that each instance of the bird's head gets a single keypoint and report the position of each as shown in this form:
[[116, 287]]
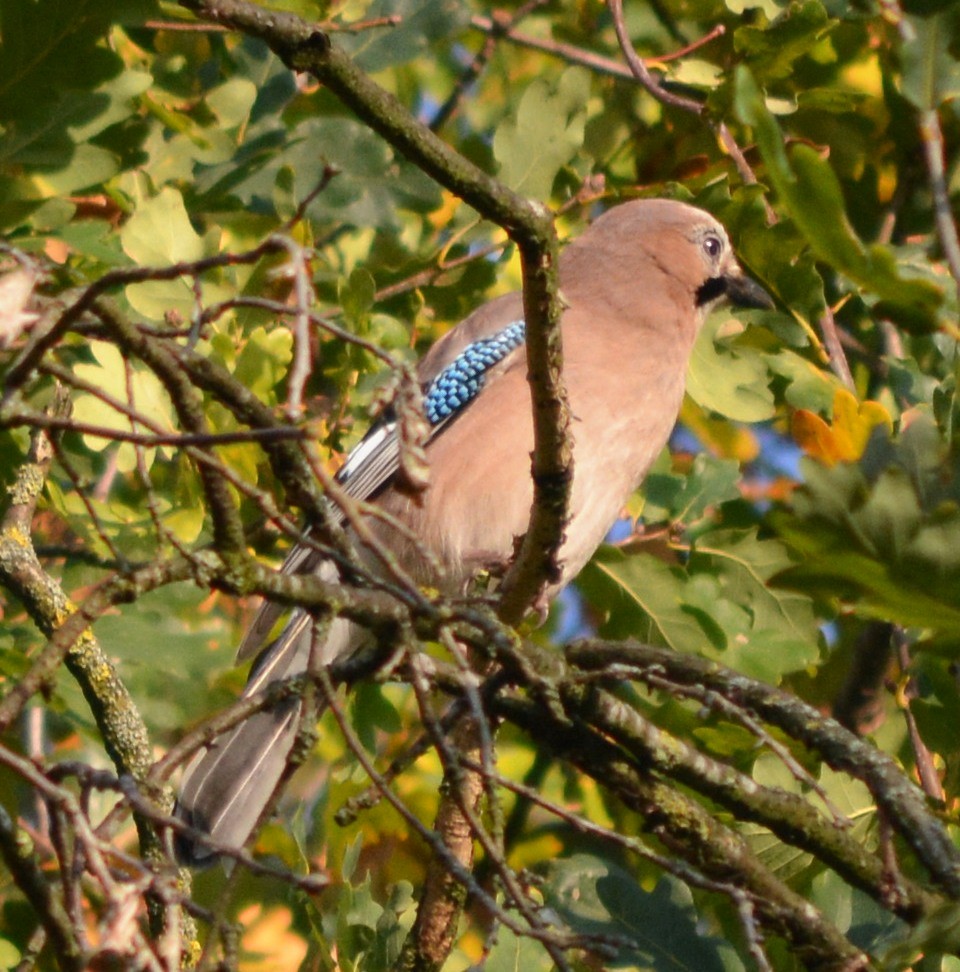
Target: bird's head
[[653, 243], [722, 276]]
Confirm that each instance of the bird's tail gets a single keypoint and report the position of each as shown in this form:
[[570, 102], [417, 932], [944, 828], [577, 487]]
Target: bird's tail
[[227, 787]]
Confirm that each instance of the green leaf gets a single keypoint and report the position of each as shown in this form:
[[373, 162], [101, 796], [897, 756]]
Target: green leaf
[[931, 72], [231, 101], [419, 25], [9, 954], [696, 72], [372, 712], [770, 8], [809, 189], [782, 634], [82, 167], [850, 798], [116, 100], [772, 51], [284, 201], [517, 953], [369, 186], [147, 396], [544, 135], [597, 897], [263, 362], [640, 597], [686, 498], [721, 605], [186, 524], [357, 298], [171, 624], [937, 934], [871, 928], [808, 386], [364, 911], [875, 541], [160, 232], [936, 703], [351, 858], [742, 392], [51, 46], [60, 85], [783, 860]]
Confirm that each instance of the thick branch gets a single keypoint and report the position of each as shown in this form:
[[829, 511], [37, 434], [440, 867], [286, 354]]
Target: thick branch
[[904, 805], [690, 831], [790, 817], [444, 895], [124, 734]]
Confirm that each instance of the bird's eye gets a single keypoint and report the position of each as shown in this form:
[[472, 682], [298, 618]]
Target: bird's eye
[[712, 245]]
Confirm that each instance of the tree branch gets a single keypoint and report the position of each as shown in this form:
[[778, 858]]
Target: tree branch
[[901, 801], [690, 831]]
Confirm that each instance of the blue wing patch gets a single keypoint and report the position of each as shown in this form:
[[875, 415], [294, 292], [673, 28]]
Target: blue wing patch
[[375, 458], [462, 379]]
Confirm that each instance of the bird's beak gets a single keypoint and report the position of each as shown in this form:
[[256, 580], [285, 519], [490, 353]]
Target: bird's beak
[[741, 291]]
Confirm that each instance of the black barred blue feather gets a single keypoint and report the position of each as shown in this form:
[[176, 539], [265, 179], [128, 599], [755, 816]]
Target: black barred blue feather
[[460, 382], [376, 457]]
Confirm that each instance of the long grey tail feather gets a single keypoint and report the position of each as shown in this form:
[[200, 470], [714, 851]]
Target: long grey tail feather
[[228, 785]]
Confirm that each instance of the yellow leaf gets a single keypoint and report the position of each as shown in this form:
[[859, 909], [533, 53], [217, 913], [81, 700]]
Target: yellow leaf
[[846, 437], [814, 436]]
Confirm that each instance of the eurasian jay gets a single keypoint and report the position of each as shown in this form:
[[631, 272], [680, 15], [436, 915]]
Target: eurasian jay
[[636, 287]]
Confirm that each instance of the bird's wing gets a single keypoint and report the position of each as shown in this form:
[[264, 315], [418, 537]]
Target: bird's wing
[[374, 461]]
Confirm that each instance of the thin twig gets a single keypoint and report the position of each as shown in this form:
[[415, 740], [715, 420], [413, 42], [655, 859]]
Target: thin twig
[[38, 420], [86, 300], [640, 70], [926, 771], [931, 134], [304, 296], [835, 353], [569, 53]]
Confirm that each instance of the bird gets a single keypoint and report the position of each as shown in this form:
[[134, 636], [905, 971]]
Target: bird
[[635, 286]]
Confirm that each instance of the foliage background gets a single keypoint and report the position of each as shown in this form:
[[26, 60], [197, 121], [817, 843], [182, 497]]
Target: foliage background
[[804, 530]]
